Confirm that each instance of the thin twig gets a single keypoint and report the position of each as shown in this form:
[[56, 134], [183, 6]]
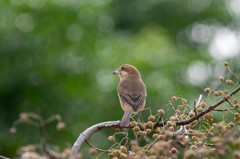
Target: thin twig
[[194, 107], [222, 110], [101, 150], [149, 146], [232, 106], [127, 143], [176, 114], [211, 144], [42, 135], [43, 139], [159, 119]]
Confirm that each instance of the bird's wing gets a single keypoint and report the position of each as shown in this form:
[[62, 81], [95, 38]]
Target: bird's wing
[[133, 101]]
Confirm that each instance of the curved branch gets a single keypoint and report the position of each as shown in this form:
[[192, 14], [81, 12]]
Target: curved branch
[[2, 157], [89, 131], [116, 124]]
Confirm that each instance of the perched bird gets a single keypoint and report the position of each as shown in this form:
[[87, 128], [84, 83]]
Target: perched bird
[[131, 92]]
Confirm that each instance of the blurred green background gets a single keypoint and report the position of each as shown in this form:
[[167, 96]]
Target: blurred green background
[[58, 56]]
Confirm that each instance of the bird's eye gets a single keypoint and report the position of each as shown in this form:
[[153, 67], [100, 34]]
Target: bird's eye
[[122, 68]]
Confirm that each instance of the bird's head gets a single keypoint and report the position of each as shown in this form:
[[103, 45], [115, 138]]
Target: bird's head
[[126, 70]]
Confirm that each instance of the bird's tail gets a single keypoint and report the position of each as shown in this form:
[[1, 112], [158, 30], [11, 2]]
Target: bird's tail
[[126, 118]]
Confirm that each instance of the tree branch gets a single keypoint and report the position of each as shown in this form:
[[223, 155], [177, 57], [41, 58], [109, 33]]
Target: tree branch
[[89, 131], [116, 124], [2, 157]]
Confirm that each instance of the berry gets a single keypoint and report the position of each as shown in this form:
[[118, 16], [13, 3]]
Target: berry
[[110, 155], [173, 118], [171, 128], [219, 93], [173, 150], [139, 133], [216, 94], [225, 63], [111, 138], [61, 126], [225, 91], [151, 118], [203, 105], [199, 110], [149, 124], [228, 96], [133, 124], [183, 117], [236, 106], [155, 136], [184, 101], [92, 151], [191, 114], [136, 129], [231, 125], [148, 131], [123, 149], [117, 129], [123, 156], [236, 115], [161, 112], [221, 78], [174, 98], [116, 152], [229, 82], [207, 90], [235, 101], [178, 111]]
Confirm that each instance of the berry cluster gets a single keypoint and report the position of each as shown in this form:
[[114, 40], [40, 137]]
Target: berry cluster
[[191, 132]]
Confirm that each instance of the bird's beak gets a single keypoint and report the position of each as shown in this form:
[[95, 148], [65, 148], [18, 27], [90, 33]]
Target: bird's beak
[[116, 72]]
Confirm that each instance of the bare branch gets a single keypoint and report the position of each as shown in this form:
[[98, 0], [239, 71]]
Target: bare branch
[[89, 131], [2, 157], [211, 144], [222, 110], [116, 124]]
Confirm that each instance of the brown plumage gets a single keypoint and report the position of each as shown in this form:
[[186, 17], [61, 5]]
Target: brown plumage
[[131, 92]]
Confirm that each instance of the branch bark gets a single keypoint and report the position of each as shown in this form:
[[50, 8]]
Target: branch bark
[[2, 157], [116, 124], [89, 131]]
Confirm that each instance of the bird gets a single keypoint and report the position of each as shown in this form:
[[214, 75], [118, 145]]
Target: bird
[[131, 92]]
